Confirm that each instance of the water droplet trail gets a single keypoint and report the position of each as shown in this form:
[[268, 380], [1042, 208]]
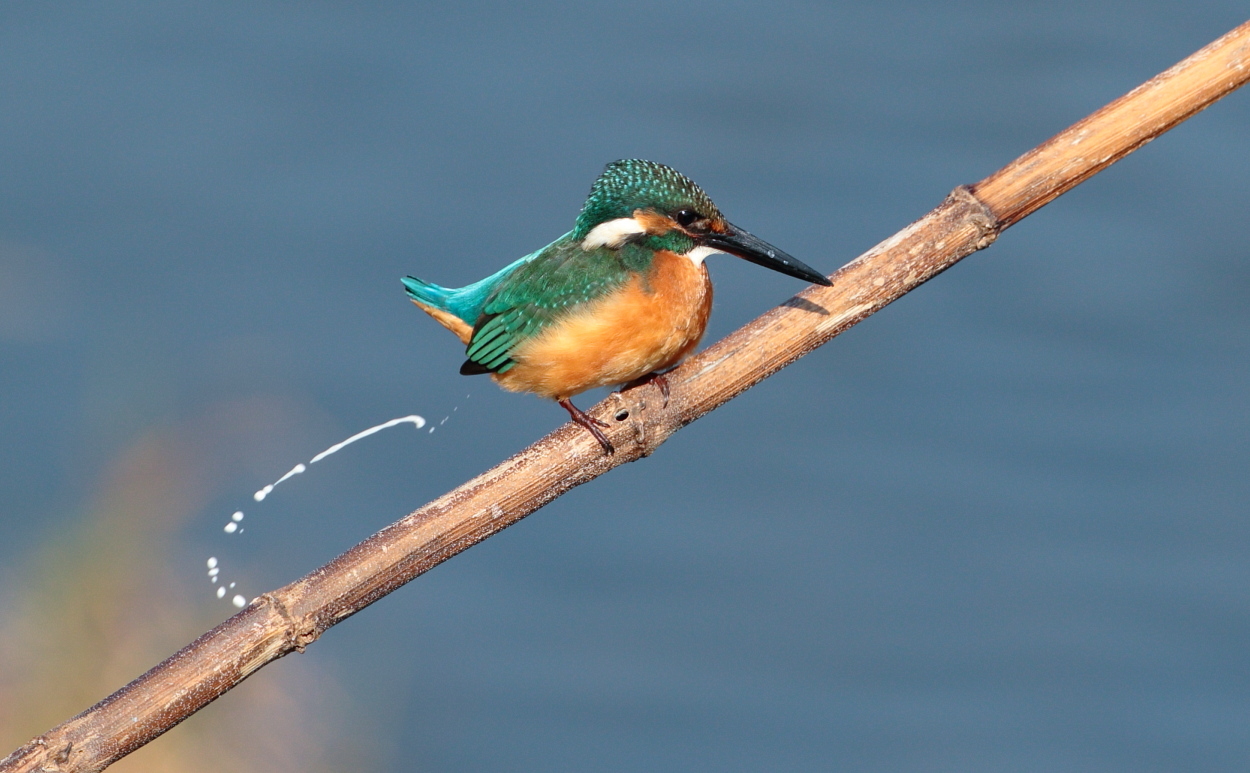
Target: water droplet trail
[[234, 525]]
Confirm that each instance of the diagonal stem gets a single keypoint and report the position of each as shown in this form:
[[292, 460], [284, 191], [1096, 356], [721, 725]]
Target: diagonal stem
[[290, 618]]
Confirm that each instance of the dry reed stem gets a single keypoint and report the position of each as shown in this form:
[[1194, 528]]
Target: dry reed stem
[[292, 617]]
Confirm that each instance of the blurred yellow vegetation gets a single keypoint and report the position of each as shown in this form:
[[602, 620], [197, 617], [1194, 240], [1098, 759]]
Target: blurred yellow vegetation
[[104, 600]]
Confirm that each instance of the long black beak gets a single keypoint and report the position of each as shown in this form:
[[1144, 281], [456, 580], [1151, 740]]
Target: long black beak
[[738, 242]]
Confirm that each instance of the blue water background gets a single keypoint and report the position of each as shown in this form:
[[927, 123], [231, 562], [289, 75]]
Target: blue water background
[[1002, 525]]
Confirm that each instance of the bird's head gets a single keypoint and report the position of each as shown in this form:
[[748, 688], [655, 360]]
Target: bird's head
[[637, 201]]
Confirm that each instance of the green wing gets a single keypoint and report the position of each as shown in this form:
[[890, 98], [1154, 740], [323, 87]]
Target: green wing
[[539, 292]]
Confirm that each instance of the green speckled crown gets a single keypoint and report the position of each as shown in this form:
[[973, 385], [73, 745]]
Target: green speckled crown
[[632, 184]]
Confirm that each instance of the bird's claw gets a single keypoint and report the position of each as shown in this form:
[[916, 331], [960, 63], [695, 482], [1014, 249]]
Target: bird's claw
[[657, 378], [661, 380], [590, 424]]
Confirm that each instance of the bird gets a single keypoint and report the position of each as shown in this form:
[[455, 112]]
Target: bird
[[618, 300]]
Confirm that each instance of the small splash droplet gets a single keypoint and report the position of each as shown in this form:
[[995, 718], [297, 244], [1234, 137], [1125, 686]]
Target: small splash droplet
[[238, 516], [259, 496], [213, 572], [221, 593], [212, 562], [238, 601], [231, 527]]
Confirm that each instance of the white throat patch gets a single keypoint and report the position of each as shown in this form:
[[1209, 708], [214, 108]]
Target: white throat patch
[[612, 233], [699, 253]]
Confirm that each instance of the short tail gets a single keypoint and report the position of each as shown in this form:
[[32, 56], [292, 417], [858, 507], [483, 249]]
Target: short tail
[[459, 308], [438, 302], [426, 293]]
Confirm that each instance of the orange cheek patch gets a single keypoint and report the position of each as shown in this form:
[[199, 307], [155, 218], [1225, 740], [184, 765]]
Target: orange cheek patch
[[654, 223]]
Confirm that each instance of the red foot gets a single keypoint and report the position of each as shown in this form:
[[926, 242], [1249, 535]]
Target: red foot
[[659, 379], [590, 423]]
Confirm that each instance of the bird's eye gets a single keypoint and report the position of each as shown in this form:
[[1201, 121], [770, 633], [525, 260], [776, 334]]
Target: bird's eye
[[686, 217]]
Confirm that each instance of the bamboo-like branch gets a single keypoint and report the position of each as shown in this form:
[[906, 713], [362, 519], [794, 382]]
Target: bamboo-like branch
[[292, 617]]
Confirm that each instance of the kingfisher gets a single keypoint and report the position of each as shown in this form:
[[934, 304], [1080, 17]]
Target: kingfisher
[[618, 300]]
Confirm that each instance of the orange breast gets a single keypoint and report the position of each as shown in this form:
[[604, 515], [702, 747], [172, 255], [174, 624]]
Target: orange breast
[[649, 324]]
